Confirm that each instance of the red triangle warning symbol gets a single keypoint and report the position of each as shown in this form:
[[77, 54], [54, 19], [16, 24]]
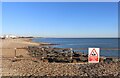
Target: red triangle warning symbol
[[94, 53]]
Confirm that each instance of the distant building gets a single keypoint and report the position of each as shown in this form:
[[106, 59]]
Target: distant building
[[12, 36], [2, 37], [8, 36]]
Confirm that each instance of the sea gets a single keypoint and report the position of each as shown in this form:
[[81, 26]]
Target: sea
[[108, 46]]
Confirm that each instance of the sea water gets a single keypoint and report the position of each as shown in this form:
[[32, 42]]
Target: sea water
[[108, 46]]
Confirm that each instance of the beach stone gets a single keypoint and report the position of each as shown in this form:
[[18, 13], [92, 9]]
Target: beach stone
[[30, 68]]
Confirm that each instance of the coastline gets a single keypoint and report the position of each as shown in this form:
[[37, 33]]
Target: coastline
[[23, 41], [30, 67], [42, 43]]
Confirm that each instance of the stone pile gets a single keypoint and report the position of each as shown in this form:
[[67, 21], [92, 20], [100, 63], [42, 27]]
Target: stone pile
[[56, 54]]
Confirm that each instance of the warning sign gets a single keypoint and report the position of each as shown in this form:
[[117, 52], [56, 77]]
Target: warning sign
[[93, 55]]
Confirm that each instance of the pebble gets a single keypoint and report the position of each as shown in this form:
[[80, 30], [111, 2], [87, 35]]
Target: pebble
[[31, 68]]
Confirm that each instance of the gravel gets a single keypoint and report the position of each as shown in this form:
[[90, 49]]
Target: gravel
[[39, 68]]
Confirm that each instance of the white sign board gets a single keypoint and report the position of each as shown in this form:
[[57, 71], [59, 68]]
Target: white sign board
[[93, 55]]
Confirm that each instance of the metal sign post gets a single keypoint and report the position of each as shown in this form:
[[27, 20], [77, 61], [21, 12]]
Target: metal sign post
[[71, 53], [15, 51]]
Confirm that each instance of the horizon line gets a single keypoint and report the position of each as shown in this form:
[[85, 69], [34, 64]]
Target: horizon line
[[53, 36]]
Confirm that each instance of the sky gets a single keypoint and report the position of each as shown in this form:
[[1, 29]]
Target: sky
[[60, 19]]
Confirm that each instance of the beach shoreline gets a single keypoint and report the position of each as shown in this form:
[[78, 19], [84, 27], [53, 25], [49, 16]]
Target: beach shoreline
[[30, 67]]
